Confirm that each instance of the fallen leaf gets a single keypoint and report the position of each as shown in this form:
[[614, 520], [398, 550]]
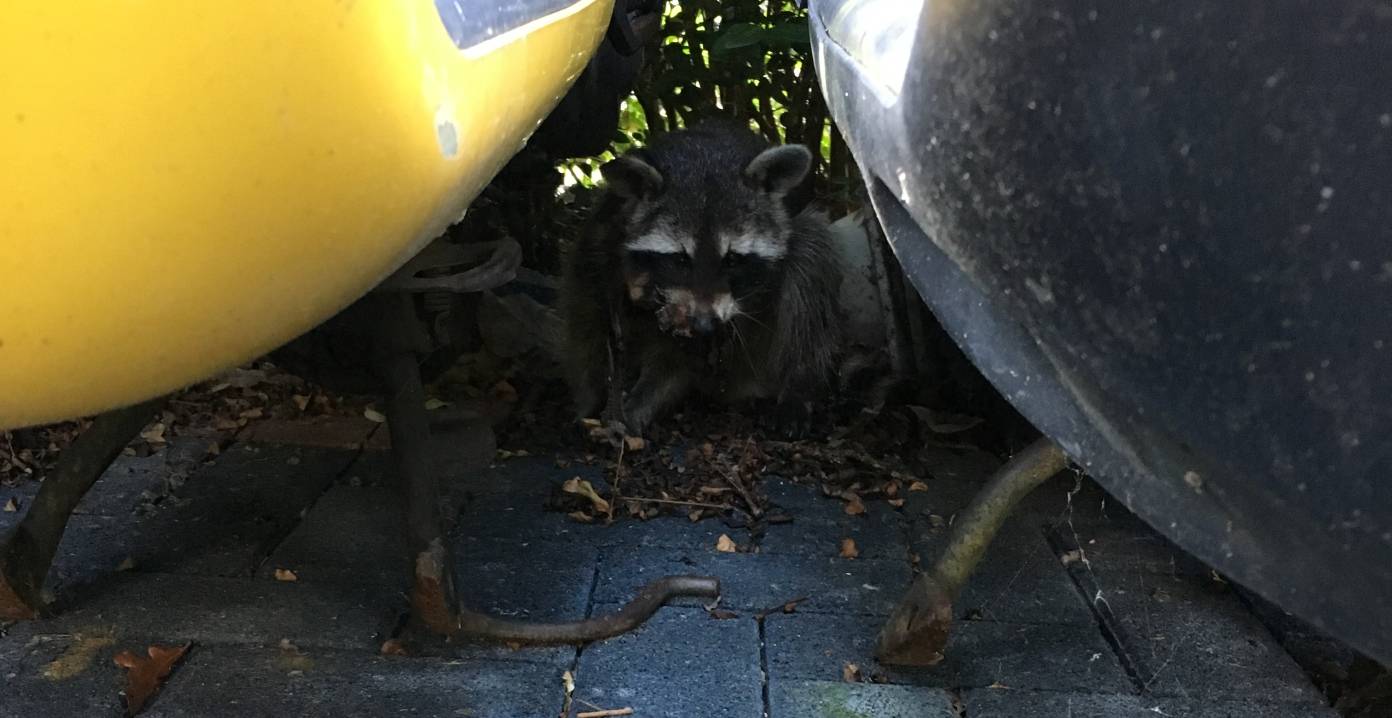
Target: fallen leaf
[[373, 415], [1071, 557], [854, 506], [568, 681], [581, 516], [936, 521], [12, 505], [432, 404], [154, 433], [850, 673], [896, 503], [77, 657], [393, 647], [725, 544], [301, 401], [581, 487], [254, 413], [848, 548], [918, 486], [721, 614], [145, 675], [634, 443], [214, 449], [285, 574]]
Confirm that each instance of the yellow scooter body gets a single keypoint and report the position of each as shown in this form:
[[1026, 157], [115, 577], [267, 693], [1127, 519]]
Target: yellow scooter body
[[186, 185]]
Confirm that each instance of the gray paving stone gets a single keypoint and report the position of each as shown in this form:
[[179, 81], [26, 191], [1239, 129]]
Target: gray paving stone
[[1190, 637], [525, 580], [677, 641], [754, 582], [979, 653], [819, 524], [67, 674], [1004, 703], [680, 663], [352, 533], [223, 521], [688, 695], [256, 681], [174, 608], [131, 479], [828, 699]]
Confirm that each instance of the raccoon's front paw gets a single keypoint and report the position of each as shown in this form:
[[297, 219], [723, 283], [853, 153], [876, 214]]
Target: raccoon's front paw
[[793, 419]]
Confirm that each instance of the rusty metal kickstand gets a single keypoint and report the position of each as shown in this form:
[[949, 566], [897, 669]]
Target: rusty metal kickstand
[[916, 633], [434, 599], [27, 552]]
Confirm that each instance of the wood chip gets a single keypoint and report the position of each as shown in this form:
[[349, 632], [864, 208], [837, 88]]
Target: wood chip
[[608, 713], [725, 544]]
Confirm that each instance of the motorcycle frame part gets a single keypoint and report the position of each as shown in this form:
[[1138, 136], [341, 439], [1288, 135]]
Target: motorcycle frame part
[[917, 631], [26, 554]]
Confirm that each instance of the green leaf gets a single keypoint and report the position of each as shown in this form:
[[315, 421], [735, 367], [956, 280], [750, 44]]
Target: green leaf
[[736, 36]]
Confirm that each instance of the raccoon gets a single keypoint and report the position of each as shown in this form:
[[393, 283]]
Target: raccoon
[[705, 269]]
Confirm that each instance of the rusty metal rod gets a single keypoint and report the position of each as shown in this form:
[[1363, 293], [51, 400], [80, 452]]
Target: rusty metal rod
[[27, 552], [631, 616], [916, 633]]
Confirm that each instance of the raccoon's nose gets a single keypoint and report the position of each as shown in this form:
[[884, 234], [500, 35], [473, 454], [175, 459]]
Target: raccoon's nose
[[703, 323]]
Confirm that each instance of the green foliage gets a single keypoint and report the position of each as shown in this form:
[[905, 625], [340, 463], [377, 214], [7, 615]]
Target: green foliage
[[748, 60]]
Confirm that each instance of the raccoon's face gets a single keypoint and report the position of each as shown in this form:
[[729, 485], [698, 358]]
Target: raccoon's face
[[705, 249]]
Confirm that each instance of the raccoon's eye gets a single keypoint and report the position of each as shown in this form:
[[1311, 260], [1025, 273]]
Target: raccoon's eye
[[683, 259], [734, 259]]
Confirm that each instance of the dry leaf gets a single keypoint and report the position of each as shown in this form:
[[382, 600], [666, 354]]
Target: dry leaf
[[254, 413], [581, 516], [721, 614], [634, 443], [918, 486], [848, 548], [581, 487], [12, 505], [432, 404], [850, 673], [1071, 557], [154, 434], [285, 574], [374, 416], [725, 544], [145, 675], [568, 681], [393, 647], [301, 401], [854, 506], [936, 521]]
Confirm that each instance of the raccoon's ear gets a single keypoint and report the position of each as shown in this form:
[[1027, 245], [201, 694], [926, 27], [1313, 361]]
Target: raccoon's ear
[[630, 176], [779, 170]]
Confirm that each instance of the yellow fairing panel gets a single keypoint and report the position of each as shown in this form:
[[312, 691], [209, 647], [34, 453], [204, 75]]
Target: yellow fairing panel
[[186, 185]]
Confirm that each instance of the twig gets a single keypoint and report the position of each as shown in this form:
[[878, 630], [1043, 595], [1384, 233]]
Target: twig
[[733, 478], [697, 504], [780, 607], [606, 713]]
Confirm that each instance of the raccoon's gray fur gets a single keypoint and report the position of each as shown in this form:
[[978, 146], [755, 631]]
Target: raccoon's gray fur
[[704, 257]]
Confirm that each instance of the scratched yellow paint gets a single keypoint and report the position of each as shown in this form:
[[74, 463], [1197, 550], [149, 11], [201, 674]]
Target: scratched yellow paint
[[186, 185]]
